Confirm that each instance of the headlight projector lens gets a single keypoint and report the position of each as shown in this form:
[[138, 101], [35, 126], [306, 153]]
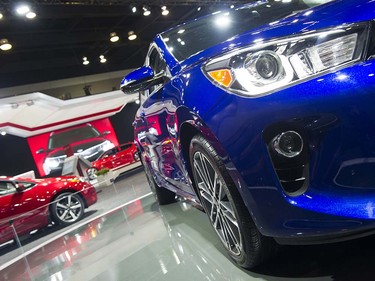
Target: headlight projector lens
[[265, 65]]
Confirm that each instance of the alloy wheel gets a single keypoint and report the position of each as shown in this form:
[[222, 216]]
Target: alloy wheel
[[216, 203], [69, 208]]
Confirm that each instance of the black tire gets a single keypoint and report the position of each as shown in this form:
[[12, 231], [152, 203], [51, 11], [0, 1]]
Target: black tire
[[163, 196], [225, 207], [91, 173], [67, 208]]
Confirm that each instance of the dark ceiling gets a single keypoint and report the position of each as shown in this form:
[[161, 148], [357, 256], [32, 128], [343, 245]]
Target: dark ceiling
[[52, 45]]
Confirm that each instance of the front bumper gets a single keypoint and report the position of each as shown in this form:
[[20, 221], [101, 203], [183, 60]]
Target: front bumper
[[336, 117], [90, 196]]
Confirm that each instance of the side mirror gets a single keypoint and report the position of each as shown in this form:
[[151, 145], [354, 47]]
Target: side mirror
[[40, 151], [140, 79]]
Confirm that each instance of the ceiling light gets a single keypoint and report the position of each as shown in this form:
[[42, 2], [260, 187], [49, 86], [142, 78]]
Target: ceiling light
[[5, 45], [164, 10], [132, 35], [85, 61], [22, 9], [114, 37], [3, 133], [137, 101], [181, 31], [133, 8], [146, 11], [102, 59], [1, 16], [31, 15], [199, 8]]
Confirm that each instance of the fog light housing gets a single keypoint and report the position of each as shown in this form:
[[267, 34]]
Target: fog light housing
[[288, 144]]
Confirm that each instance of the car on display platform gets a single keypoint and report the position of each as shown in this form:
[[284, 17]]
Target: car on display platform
[[84, 140], [28, 204], [120, 158], [264, 114]]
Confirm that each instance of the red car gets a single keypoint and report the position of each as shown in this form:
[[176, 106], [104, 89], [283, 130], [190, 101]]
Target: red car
[[117, 158], [84, 140], [29, 204]]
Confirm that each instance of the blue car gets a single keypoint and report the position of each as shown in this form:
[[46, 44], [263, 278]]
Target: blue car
[[265, 116]]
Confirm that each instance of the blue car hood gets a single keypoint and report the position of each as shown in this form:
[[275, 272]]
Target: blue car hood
[[328, 15]]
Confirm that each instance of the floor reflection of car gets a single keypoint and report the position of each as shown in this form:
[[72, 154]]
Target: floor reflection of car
[[116, 159], [258, 113], [57, 255], [84, 140], [30, 204]]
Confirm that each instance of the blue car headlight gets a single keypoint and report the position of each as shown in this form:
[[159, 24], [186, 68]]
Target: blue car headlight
[[269, 66]]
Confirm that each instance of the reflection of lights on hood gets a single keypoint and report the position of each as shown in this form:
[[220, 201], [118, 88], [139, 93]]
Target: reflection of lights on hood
[[223, 20], [342, 77]]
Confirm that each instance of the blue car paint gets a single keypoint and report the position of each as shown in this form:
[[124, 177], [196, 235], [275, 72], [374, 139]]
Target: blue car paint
[[235, 126], [141, 74]]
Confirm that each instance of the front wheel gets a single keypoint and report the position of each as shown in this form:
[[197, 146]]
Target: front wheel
[[225, 207], [67, 208]]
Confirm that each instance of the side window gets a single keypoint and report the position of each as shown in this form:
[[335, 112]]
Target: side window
[[158, 65], [125, 146], [156, 62], [6, 188], [111, 152]]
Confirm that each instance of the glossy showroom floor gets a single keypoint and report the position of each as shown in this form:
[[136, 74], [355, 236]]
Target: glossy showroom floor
[[141, 241]]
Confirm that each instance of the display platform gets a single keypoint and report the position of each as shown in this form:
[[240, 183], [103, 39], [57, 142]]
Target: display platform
[[128, 236]]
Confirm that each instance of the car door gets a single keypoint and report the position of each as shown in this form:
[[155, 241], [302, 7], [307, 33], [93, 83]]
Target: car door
[[161, 138], [150, 128], [126, 155], [109, 158], [116, 157], [24, 209]]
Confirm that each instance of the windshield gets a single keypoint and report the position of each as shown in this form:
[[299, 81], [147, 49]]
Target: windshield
[[73, 135], [208, 31]]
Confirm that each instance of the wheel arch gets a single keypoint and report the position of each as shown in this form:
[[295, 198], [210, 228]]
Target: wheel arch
[[191, 126], [195, 125]]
